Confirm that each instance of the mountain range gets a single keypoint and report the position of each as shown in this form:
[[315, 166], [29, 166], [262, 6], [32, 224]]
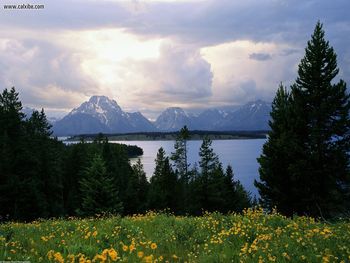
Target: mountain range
[[101, 114]]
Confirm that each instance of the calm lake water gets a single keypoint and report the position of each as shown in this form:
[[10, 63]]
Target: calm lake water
[[241, 154]]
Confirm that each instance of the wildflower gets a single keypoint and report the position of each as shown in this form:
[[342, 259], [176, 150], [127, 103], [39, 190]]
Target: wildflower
[[71, 258], [58, 257], [153, 246], [94, 234], [140, 254], [286, 255], [148, 259], [325, 259], [132, 248], [125, 248], [271, 258], [13, 251], [50, 254], [102, 258], [113, 254]]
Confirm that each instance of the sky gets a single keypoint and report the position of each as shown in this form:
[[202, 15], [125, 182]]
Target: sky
[[152, 54]]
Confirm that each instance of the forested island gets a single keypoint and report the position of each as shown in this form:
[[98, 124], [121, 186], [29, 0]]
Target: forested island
[[171, 136]]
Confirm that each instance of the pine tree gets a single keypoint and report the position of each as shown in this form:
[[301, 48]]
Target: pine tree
[[237, 198], [179, 158], [209, 160], [137, 190], [99, 195], [46, 171], [14, 185], [163, 187], [208, 163], [277, 187], [38, 125], [312, 174]]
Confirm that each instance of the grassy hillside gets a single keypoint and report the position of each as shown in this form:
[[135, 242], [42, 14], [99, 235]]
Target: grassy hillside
[[251, 237]]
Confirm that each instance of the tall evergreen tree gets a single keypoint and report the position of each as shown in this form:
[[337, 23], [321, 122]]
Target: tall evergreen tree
[[99, 195], [46, 171], [317, 171], [237, 198], [208, 159], [277, 185], [11, 154], [137, 190], [179, 158], [208, 163], [163, 187]]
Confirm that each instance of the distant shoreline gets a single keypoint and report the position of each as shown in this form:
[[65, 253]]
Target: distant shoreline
[[170, 136]]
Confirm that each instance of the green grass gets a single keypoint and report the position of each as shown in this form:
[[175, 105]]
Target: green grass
[[251, 237]]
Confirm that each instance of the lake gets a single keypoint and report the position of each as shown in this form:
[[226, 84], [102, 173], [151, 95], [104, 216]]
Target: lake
[[241, 154]]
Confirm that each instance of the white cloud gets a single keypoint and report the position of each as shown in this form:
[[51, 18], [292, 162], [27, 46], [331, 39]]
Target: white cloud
[[180, 76], [239, 79]]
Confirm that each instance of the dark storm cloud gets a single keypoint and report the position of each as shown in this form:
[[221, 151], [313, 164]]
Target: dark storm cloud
[[205, 22]]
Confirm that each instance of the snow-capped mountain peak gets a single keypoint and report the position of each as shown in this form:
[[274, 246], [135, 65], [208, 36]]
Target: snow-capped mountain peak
[[172, 119], [101, 114]]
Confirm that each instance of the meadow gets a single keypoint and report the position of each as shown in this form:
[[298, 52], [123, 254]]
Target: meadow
[[252, 236]]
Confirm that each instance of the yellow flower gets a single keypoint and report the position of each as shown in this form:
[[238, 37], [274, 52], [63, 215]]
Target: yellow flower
[[125, 248], [58, 257], [153, 246], [99, 257], [325, 259], [140, 254], [132, 248], [286, 255], [148, 259], [94, 234], [13, 251], [82, 260], [50, 254], [71, 258], [113, 254]]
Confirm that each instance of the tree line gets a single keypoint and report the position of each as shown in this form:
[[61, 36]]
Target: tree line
[[41, 177]]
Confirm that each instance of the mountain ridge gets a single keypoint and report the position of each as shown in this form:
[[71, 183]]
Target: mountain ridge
[[101, 114]]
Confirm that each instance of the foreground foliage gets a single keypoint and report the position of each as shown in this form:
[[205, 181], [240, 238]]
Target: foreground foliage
[[251, 237]]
